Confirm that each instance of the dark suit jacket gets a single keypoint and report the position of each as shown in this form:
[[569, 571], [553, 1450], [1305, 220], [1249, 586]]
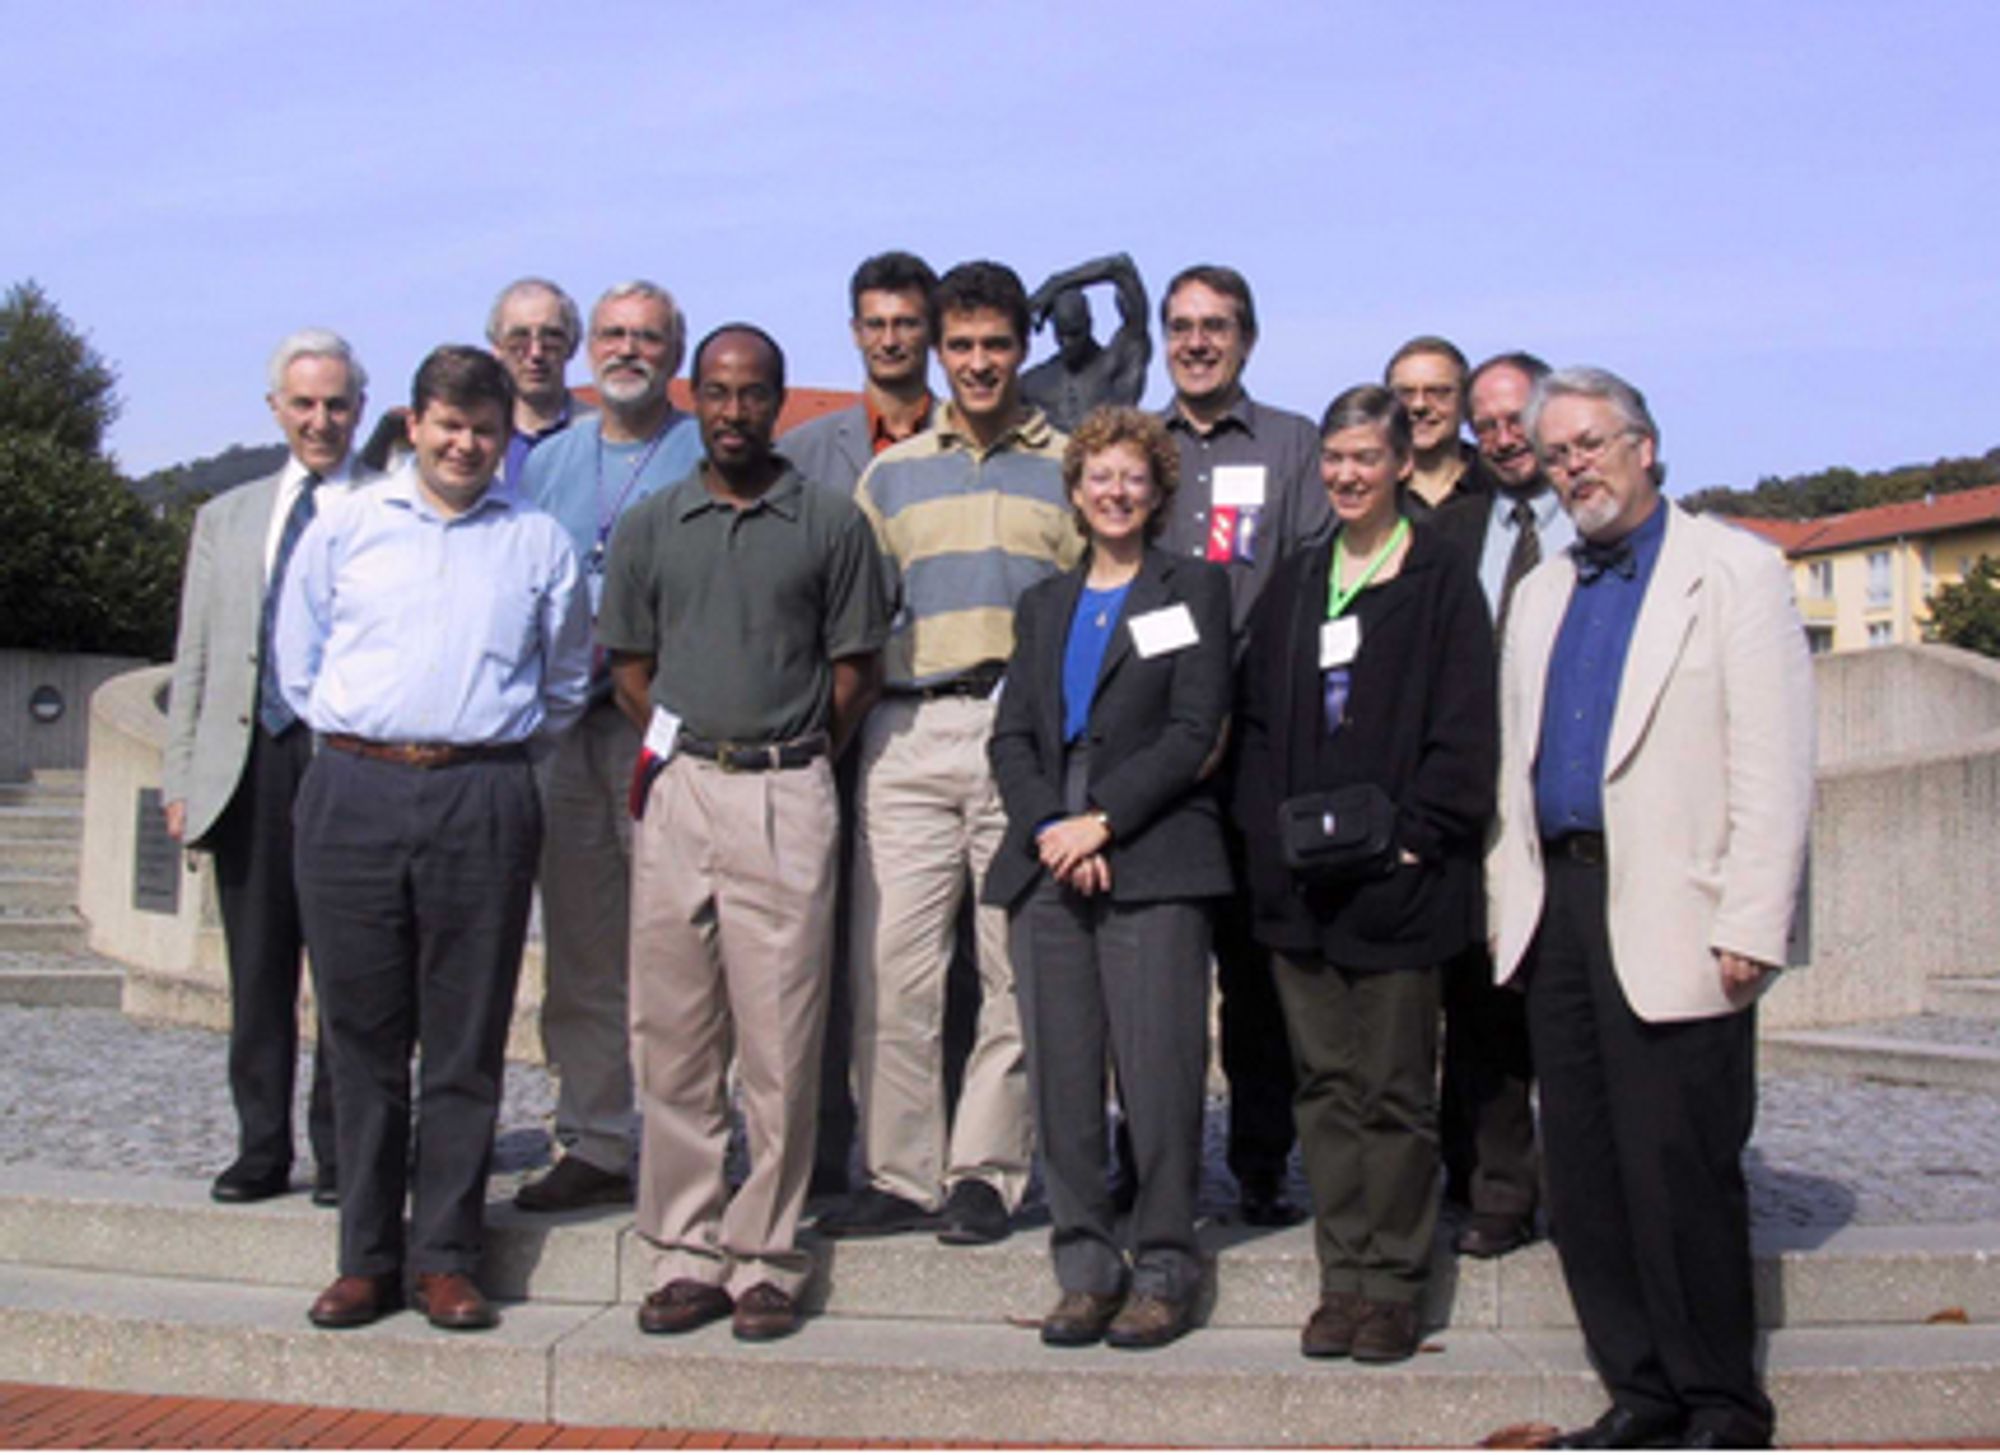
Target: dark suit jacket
[[1154, 722]]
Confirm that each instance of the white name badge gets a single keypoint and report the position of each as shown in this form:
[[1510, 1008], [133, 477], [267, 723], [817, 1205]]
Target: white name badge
[[662, 734], [1240, 485], [1339, 640], [1169, 629]]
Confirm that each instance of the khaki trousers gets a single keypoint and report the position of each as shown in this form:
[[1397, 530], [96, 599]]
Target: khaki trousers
[[928, 822], [732, 893]]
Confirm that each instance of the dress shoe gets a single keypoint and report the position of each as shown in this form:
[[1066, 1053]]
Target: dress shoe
[[973, 1213], [1389, 1332], [1619, 1428], [1486, 1238], [1329, 1333], [1080, 1318], [1261, 1203], [1148, 1322], [453, 1301], [354, 1299], [572, 1184], [873, 1213], [764, 1311], [326, 1187], [683, 1306], [237, 1183], [1712, 1437]]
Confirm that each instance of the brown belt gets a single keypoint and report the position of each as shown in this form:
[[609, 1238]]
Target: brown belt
[[426, 755]]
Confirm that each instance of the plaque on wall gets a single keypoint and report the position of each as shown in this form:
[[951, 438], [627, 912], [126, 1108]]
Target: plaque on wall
[[156, 859]]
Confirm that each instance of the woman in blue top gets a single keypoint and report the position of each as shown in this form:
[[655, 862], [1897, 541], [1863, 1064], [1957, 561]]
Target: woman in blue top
[[1113, 713]]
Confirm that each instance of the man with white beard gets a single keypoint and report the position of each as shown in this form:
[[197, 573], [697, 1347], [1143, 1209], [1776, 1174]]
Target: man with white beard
[[587, 477]]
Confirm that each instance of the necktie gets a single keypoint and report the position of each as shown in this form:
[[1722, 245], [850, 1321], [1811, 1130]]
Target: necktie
[[1526, 555], [272, 710], [1593, 560]]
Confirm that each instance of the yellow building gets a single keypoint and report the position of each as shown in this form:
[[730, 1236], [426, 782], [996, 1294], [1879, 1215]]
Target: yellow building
[[1865, 578]]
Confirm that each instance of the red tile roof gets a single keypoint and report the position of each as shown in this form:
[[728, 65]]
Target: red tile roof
[[1925, 517], [801, 403]]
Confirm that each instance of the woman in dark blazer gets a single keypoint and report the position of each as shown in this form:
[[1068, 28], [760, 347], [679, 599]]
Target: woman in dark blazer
[[1113, 713], [1370, 667]]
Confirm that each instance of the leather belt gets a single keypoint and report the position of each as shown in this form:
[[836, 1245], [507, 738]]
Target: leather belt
[[1583, 847], [426, 755], [978, 681], [753, 757]]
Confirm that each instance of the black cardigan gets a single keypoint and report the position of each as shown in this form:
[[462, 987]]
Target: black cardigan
[[1154, 723], [1421, 724]]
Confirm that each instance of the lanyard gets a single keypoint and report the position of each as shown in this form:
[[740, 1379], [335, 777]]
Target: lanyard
[[1337, 599], [608, 518]]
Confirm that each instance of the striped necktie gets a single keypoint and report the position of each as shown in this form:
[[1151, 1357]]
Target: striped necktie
[[272, 710]]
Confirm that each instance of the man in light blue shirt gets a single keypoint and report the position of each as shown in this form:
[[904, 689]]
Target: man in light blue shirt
[[431, 629], [588, 477]]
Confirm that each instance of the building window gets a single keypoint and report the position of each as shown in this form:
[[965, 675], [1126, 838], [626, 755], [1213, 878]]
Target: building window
[[1881, 589], [1930, 577], [1819, 640], [1819, 580], [1881, 634]]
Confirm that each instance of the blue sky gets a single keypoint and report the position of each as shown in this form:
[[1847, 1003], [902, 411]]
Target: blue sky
[[1776, 219]]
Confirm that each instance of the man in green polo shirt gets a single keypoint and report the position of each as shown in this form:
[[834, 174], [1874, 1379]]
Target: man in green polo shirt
[[744, 611]]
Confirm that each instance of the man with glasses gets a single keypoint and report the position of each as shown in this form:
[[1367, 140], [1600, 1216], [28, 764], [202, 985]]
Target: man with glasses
[[534, 329], [1428, 375], [588, 477], [1656, 781], [1250, 495]]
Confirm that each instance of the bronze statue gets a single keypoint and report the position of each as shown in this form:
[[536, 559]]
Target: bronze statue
[[1085, 373]]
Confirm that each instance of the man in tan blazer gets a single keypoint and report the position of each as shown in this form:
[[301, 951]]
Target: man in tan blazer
[[1656, 781]]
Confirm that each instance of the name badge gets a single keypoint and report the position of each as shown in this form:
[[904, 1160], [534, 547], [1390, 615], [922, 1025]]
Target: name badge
[[1171, 628], [1241, 485], [663, 734], [1339, 641], [594, 582]]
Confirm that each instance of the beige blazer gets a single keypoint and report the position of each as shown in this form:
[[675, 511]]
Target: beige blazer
[[1708, 775]]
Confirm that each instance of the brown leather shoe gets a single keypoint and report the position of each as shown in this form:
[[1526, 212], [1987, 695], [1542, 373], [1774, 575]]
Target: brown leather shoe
[[765, 1311], [453, 1301], [1329, 1333], [573, 1184], [1080, 1318], [1147, 1322], [1387, 1334], [681, 1306], [354, 1299]]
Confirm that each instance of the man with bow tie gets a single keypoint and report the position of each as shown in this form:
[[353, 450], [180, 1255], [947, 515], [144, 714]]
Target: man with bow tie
[[1655, 788]]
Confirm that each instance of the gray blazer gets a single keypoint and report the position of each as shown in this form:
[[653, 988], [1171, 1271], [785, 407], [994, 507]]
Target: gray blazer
[[832, 450]]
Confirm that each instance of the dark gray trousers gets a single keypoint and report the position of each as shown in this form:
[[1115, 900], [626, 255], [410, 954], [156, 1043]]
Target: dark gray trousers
[[414, 886], [1093, 976]]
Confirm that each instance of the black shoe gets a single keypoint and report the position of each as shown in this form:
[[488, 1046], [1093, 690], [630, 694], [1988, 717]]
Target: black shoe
[[572, 1184], [1493, 1237], [973, 1213], [873, 1213], [237, 1184], [326, 1186], [1619, 1428], [1262, 1204], [1711, 1437]]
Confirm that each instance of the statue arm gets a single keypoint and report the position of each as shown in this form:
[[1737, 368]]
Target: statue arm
[[1116, 269]]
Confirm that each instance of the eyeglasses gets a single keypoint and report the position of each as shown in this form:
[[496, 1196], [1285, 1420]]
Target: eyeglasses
[[517, 341], [1580, 453], [619, 336], [1488, 427]]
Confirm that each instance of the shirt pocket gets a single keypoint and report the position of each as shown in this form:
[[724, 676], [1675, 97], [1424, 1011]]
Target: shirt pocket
[[513, 624]]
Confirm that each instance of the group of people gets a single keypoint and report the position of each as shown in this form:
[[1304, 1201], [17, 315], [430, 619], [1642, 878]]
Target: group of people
[[1394, 730]]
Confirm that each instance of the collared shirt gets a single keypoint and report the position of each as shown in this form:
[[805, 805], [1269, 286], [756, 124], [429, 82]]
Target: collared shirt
[[1585, 670], [744, 610], [1273, 501], [405, 625], [520, 441], [291, 480], [967, 531], [587, 482], [879, 437], [1553, 528]]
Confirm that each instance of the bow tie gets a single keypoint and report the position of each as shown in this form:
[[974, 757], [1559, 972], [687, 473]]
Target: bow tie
[[1594, 559]]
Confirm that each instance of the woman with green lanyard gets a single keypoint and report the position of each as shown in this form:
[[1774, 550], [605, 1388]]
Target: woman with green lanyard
[[1366, 781]]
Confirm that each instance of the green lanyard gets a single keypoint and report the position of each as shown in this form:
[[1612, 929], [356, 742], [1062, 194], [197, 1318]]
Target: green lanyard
[[1337, 599]]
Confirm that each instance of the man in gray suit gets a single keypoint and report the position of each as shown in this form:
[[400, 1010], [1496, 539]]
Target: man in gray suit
[[235, 754]]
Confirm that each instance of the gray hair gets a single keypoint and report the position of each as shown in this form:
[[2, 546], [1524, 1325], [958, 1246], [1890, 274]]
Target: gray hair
[[1589, 382], [316, 343], [572, 322], [676, 320]]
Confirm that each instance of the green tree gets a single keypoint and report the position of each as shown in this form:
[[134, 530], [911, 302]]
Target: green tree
[[1967, 613], [86, 567]]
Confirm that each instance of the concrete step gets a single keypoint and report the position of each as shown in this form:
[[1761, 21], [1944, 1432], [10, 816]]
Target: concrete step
[[1904, 1059], [40, 821], [73, 979], [40, 856], [63, 790], [23, 892], [41, 934], [168, 1227], [1963, 997], [876, 1378]]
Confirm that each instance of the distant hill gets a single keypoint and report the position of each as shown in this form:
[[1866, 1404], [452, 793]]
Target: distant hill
[[1839, 490], [198, 480]]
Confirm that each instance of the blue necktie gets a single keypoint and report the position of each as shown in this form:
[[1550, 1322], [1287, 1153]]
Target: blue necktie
[[272, 710]]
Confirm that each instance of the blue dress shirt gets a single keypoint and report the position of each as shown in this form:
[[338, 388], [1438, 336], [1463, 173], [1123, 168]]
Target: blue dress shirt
[[1553, 529], [404, 625], [1584, 673]]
